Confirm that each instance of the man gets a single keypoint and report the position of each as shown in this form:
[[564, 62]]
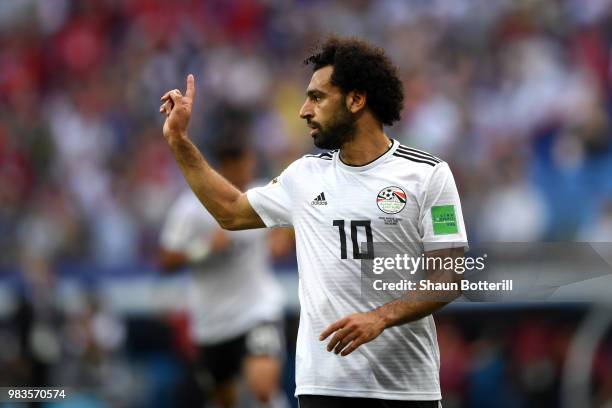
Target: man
[[236, 303], [371, 189]]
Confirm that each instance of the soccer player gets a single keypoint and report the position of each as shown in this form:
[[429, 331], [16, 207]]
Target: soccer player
[[369, 188], [236, 303]]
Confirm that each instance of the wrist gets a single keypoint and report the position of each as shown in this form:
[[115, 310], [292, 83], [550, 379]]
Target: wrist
[[177, 138], [383, 318]]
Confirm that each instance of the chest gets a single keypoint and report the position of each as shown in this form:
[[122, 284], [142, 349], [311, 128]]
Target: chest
[[361, 207]]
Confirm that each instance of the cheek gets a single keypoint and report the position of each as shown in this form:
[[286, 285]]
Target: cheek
[[322, 112]]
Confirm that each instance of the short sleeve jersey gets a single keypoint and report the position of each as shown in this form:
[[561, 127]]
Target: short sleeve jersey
[[231, 291], [405, 195]]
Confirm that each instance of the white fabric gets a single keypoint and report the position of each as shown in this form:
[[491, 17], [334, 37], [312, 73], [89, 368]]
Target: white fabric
[[232, 291], [403, 362]]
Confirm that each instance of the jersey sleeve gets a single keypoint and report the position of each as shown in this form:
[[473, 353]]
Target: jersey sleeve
[[273, 202], [441, 218], [186, 225]]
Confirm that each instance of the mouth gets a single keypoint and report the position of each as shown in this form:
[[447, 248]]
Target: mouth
[[313, 129]]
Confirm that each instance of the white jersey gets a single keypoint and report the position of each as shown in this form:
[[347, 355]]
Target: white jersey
[[232, 291], [397, 198]]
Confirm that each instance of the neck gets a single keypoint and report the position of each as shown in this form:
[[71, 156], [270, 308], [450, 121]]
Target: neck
[[369, 143]]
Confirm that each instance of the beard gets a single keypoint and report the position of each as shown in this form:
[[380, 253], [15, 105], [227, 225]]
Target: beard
[[340, 130]]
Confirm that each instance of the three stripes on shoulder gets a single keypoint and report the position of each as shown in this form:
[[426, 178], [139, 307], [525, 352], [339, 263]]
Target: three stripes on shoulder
[[402, 151], [324, 155], [415, 155]]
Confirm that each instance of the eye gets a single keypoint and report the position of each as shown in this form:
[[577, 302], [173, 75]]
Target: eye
[[316, 97]]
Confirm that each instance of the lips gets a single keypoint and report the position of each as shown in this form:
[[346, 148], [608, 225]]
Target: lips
[[314, 128]]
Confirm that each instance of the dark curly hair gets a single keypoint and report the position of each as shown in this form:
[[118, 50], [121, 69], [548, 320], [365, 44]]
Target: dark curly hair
[[363, 67]]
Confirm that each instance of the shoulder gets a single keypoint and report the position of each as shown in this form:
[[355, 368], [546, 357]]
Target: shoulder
[[318, 161], [417, 156], [420, 166], [313, 162], [416, 161], [328, 156]]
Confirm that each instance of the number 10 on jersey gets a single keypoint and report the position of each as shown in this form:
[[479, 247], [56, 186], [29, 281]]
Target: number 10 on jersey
[[355, 224]]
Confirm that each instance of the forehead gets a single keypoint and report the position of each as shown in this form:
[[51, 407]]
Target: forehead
[[321, 80]]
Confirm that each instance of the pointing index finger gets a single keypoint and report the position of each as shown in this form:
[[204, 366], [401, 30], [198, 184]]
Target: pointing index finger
[[190, 92]]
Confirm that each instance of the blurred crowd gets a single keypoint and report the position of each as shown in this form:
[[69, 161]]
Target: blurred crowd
[[517, 358], [515, 95]]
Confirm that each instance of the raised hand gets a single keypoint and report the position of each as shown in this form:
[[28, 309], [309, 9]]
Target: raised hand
[[177, 108]]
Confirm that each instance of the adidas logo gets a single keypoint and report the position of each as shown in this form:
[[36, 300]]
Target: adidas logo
[[319, 200]]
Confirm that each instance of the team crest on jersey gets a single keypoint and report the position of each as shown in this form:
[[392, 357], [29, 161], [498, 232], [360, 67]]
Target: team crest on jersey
[[391, 200]]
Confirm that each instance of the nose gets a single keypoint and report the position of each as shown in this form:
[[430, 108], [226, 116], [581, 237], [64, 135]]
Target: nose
[[306, 110]]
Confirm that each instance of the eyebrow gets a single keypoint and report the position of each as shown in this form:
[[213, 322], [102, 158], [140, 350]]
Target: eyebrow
[[314, 92]]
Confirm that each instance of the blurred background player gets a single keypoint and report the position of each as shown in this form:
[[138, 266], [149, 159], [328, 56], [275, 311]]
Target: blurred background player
[[236, 304]]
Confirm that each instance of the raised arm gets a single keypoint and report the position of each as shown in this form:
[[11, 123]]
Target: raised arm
[[226, 203]]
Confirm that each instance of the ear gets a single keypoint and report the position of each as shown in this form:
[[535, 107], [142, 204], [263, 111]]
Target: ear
[[355, 101]]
